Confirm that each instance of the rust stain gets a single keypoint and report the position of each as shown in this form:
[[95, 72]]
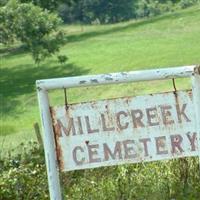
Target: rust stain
[[162, 143], [68, 117], [190, 94], [176, 97], [109, 115], [57, 132], [197, 69]]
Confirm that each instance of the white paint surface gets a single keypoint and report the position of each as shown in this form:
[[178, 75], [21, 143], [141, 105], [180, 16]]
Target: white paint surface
[[128, 138]]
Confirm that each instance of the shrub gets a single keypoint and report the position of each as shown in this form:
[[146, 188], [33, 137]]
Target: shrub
[[149, 8], [187, 3], [23, 176]]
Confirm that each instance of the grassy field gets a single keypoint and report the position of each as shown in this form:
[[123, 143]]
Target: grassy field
[[165, 41]]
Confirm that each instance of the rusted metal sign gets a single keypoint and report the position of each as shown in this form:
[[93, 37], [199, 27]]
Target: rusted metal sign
[[125, 130]]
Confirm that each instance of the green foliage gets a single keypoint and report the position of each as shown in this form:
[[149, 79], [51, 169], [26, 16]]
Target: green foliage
[[108, 11], [187, 3], [111, 11], [47, 4], [23, 176], [149, 8], [62, 58], [87, 11], [3, 2], [32, 26], [158, 180]]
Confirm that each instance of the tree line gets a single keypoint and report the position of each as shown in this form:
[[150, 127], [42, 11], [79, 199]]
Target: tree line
[[107, 11], [35, 23]]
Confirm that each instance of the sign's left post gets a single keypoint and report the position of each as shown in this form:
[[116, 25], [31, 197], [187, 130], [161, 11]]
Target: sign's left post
[[49, 144]]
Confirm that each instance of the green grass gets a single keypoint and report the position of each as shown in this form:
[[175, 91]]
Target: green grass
[[169, 40]]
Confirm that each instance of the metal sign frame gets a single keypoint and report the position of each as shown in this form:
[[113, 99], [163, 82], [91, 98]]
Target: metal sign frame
[[43, 86]]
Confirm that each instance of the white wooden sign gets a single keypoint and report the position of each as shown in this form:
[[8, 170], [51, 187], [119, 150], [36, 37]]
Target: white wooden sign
[[118, 131], [125, 130]]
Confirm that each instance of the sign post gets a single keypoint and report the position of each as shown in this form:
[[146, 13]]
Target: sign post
[[196, 100], [123, 130], [49, 145]]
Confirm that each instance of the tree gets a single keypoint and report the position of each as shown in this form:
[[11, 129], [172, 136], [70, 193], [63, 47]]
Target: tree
[[29, 24]]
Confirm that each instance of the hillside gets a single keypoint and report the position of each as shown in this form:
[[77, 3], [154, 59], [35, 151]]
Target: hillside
[[169, 40]]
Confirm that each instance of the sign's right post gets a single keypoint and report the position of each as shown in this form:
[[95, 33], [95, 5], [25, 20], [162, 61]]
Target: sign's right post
[[196, 99]]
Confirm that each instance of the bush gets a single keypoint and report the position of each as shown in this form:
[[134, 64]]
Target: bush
[[29, 24], [88, 11], [186, 3], [149, 8], [23, 176], [112, 11]]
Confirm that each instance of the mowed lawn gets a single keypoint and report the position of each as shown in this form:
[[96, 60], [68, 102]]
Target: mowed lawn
[[164, 41]]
